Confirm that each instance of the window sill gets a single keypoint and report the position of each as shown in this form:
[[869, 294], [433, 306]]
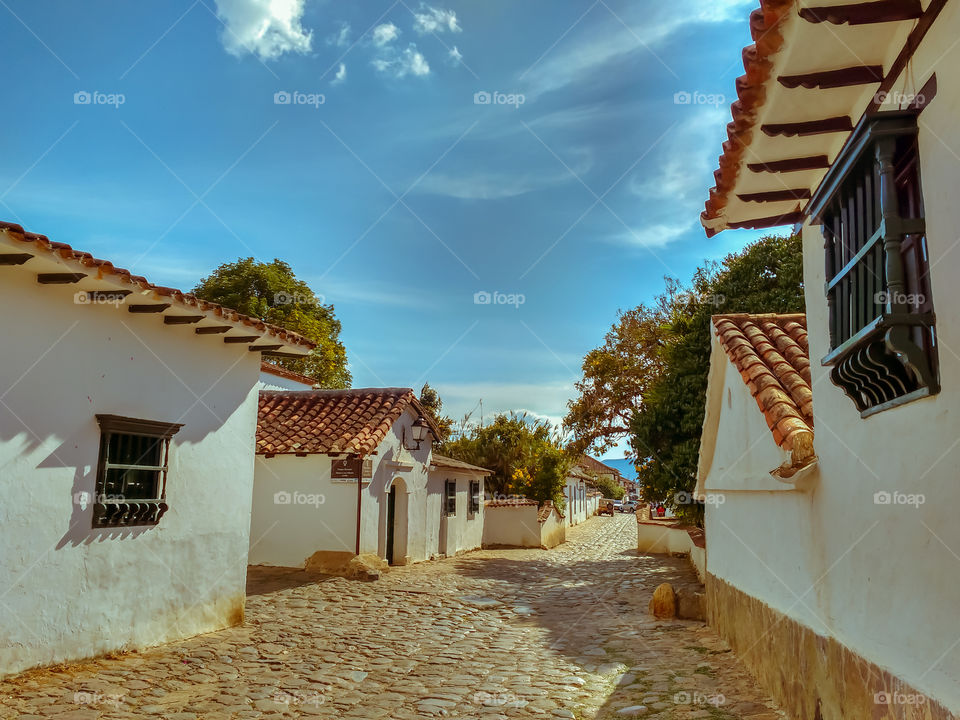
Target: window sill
[[128, 514]]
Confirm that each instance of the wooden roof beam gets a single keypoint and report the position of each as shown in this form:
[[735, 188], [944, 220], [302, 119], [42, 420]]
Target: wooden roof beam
[[14, 258], [813, 162], [776, 195], [60, 278], [826, 79], [864, 13], [182, 319], [810, 127]]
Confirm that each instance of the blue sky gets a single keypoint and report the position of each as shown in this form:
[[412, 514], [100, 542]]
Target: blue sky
[[156, 135]]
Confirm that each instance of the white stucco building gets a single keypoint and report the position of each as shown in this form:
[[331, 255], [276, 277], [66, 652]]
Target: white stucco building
[[305, 496], [127, 419], [455, 507], [832, 560]]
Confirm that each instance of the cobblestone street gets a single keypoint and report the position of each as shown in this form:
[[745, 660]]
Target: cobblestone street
[[495, 633]]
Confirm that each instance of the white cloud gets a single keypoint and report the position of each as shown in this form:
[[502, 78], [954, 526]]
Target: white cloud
[[399, 65], [653, 236], [341, 75], [385, 34], [545, 401], [602, 39], [455, 55], [342, 37], [265, 28], [431, 20]]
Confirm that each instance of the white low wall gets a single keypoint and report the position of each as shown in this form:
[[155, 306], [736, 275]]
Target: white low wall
[[511, 526], [666, 539]]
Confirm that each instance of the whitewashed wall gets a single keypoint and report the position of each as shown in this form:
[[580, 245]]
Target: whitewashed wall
[[881, 579], [463, 531], [321, 513], [575, 493], [69, 591], [511, 526]]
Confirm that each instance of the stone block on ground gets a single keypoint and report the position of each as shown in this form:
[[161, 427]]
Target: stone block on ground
[[663, 604]]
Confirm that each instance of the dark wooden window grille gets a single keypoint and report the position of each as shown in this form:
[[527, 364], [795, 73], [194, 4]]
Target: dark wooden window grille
[[881, 321], [450, 497], [474, 497], [132, 471]]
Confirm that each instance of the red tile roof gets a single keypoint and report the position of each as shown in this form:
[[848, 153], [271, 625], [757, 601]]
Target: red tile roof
[[592, 465], [442, 461], [512, 502], [772, 356], [331, 421], [85, 262], [751, 94], [276, 370]]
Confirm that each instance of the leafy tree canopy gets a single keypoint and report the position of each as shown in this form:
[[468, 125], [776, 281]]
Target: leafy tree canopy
[[430, 399], [524, 454], [766, 277], [271, 292], [608, 487]]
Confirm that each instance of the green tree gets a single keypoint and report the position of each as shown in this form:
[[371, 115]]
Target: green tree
[[271, 292], [616, 376], [523, 453], [430, 399], [766, 277], [608, 487]]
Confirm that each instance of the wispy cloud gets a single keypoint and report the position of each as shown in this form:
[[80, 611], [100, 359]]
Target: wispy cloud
[[603, 38], [265, 28], [409, 61], [384, 34], [455, 55], [435, 20], [341, 75], [342, 37]]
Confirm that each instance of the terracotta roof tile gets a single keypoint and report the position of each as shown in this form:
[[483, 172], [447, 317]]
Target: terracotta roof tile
[[441, 461], [771, 354], [765, 24], [331, 421], [277, 371], [592, 465], [84, 262]]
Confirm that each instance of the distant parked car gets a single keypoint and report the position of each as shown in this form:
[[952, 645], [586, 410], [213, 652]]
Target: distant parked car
[[629, 506], [618, 505], [606, 507]]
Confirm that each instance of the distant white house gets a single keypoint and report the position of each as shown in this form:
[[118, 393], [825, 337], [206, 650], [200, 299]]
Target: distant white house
[[127, 419], [575, 494], [455, 503], [311, 446]]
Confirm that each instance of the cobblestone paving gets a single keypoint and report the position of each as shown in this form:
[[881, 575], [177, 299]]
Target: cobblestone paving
[[550, 634]]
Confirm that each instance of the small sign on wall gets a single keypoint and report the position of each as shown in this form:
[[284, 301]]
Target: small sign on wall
[[347, 468]]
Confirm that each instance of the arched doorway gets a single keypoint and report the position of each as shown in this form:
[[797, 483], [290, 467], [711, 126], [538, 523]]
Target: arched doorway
[[396, 530]]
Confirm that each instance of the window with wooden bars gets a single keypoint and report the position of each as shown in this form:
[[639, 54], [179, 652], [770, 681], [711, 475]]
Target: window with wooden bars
[[883, 344], [474, 497], [450, 497], [132, 471]]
